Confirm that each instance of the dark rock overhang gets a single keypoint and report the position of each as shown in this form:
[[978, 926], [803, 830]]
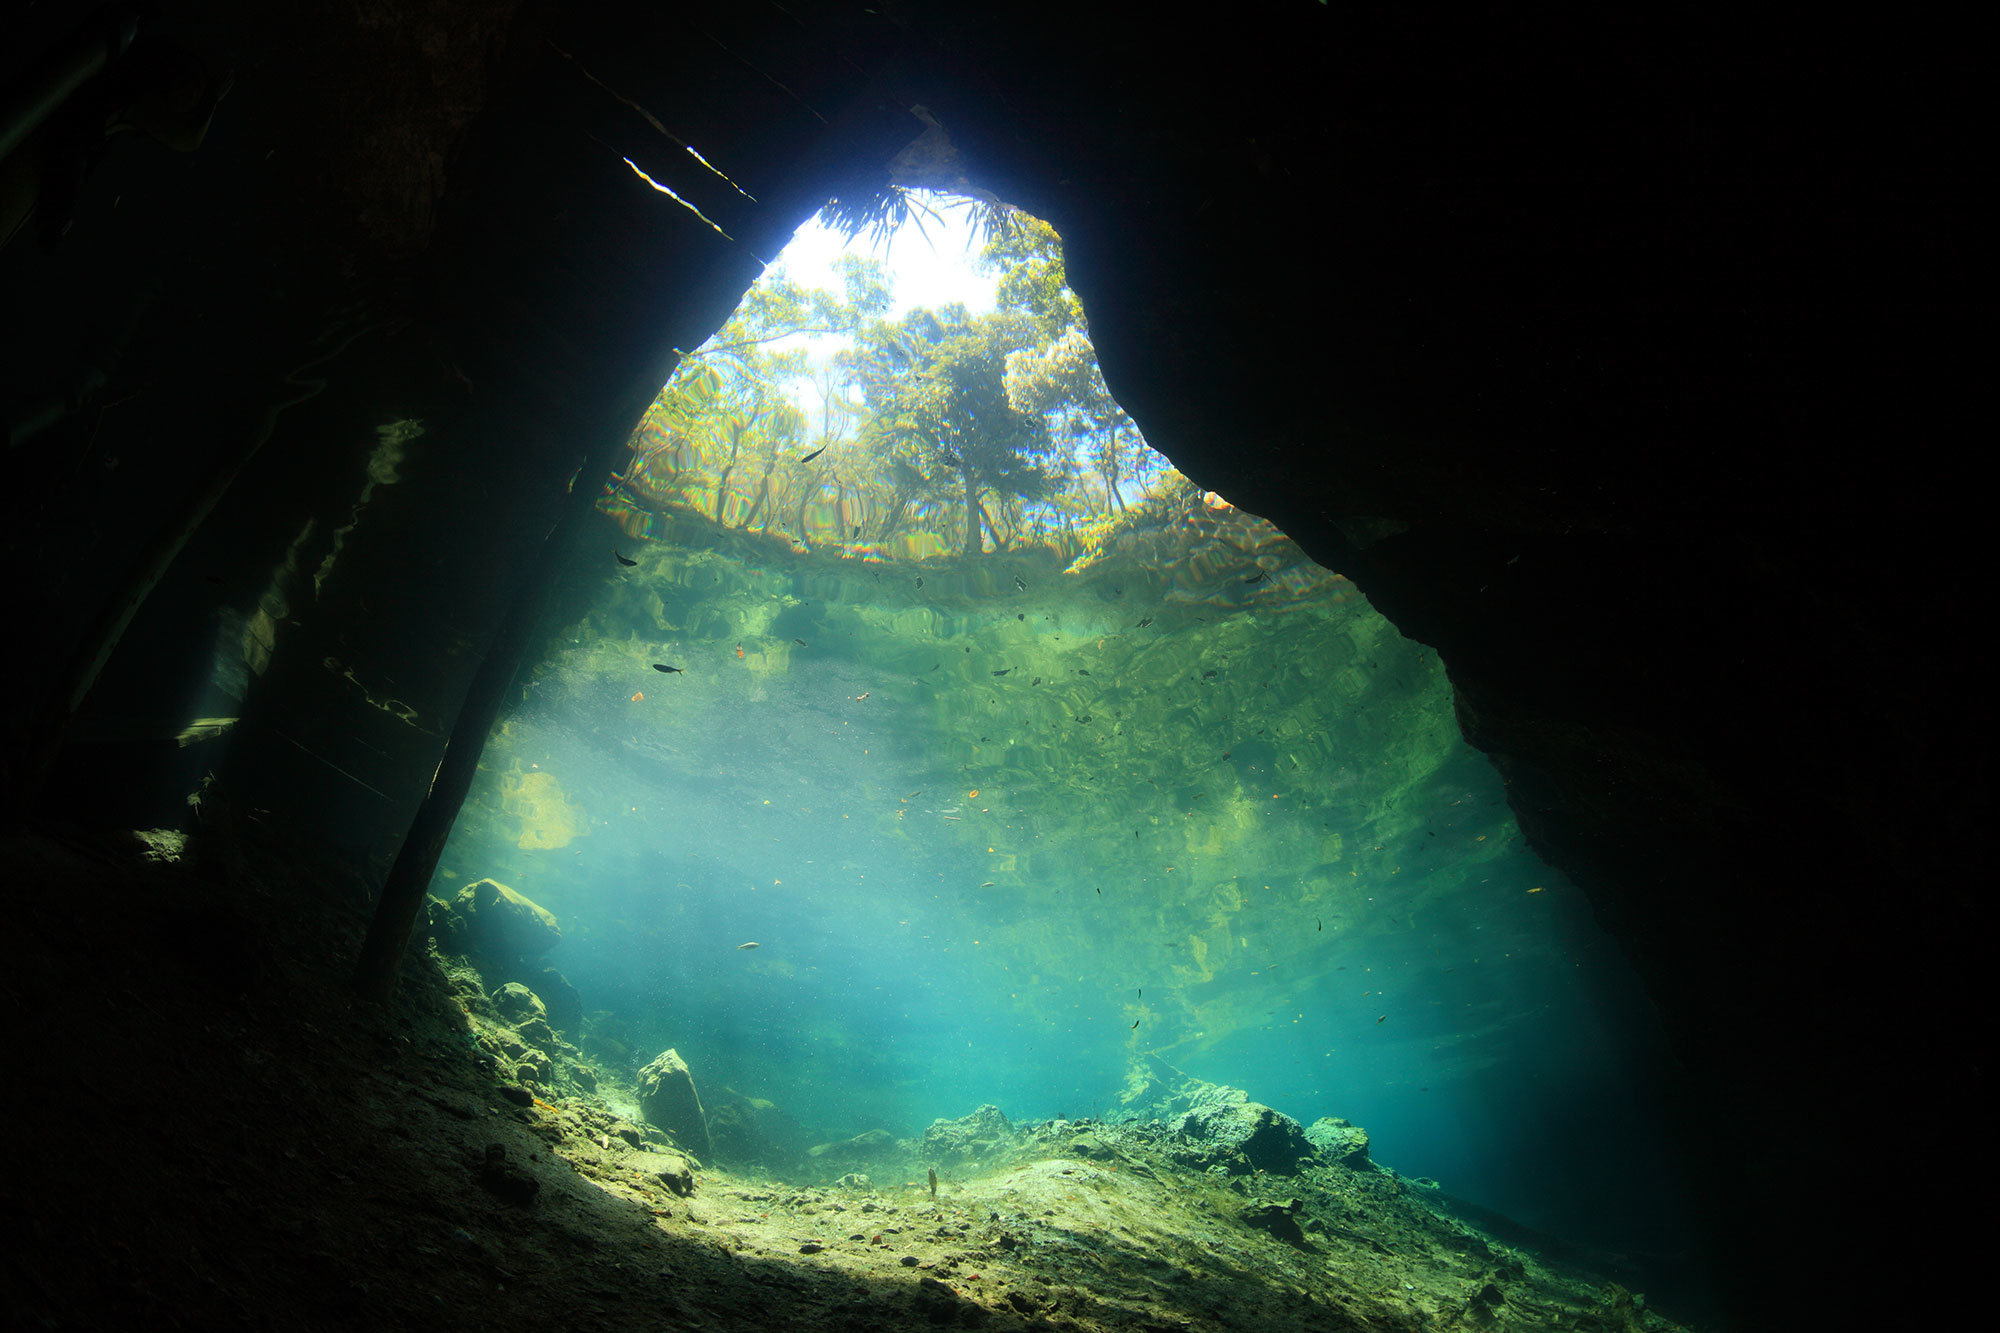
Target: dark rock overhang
[[1618, 357]]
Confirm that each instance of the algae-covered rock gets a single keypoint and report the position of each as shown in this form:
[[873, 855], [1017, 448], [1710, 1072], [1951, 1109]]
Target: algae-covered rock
[[1280, 1219], [668, 1169], [667, 1097], [516, 1002], [983, 1134], [494, 925], [1339, 1141], [1244, 1136]]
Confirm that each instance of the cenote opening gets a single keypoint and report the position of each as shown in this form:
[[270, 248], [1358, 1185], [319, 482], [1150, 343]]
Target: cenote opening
[[913, 740]]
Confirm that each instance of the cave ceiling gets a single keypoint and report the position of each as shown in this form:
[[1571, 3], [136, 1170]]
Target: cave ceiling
[[1634, 348]]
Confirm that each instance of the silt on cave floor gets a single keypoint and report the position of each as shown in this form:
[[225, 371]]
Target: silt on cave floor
[[218, 1139]]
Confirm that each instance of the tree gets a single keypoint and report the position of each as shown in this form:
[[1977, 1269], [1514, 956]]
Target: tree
[[1061, 380], [1028, 256], [937, 401]]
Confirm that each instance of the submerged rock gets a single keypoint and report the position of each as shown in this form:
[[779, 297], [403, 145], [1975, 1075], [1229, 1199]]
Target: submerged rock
[[1339, 1141], [669, 1169], [1246, 1136], [516, 1002], [667, 1097], [1280, 1219], [983, 1134], [495, 925]]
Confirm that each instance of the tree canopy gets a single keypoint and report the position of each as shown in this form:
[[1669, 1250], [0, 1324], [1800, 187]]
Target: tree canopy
[[937, 433]]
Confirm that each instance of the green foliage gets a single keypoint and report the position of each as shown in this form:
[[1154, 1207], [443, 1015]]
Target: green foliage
[[1028, 256], [937, 398], [881, 214], [936, 432]]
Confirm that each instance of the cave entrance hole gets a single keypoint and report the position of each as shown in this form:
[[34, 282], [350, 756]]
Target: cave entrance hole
[[916, 739]]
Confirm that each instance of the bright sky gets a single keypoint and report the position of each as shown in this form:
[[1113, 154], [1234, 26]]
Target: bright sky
[[922, 272], [926, 273]]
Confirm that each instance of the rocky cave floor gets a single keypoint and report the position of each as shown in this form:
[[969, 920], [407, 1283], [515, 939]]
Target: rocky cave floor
[[215, 1136]]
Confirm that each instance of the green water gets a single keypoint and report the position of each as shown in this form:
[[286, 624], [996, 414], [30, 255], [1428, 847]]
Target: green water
[[1000, 828]]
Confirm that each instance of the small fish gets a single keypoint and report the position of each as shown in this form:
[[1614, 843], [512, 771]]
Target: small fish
[[750, 944], [636, 698], [814, 454], [1142, 992], [920, 583], [1100, 888], [1258, 577], [987, 885], [1038, 680], [1208, 675], [1536, 889], [863, 695], [739, 650], [621, 558], [1020, 583], [1135, 1025], [1380, 1021], [1142, 624], [660, 666], [1081, 672], [800, 642], [1318, 924], [938, 665], [1003, 671]]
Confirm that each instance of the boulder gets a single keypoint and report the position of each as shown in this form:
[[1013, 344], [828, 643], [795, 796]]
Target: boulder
[[667, 1097], [516, 1002], [668, 1169], [1339, 1141], [493, 924], [534, 1068], [1245, 1136], [983, 1134]]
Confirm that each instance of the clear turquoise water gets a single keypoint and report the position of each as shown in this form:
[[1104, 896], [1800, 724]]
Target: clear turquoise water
[[1290, 874]]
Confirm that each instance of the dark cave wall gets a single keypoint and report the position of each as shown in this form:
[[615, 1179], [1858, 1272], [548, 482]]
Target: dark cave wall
[[1619, 357]]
